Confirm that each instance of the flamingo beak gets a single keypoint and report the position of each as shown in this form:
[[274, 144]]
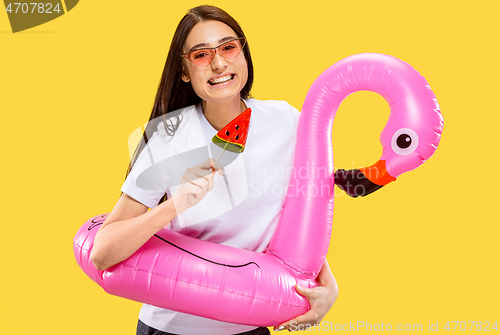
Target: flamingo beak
[[361, 182]]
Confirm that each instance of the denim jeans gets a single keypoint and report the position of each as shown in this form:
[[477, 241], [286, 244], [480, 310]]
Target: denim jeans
[[144, 329]]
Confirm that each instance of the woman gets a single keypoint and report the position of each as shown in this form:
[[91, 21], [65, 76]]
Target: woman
[[205, 84]]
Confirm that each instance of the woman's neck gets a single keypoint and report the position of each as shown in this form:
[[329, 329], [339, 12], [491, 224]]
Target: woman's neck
[[220, 114]]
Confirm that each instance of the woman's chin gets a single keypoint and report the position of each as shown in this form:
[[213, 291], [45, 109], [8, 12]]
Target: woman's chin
[[222, 94]]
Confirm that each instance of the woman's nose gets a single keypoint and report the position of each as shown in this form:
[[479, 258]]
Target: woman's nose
[[218, 62]]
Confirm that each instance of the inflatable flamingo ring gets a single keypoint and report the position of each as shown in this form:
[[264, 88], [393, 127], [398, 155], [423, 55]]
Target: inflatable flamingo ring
[[182, 273]]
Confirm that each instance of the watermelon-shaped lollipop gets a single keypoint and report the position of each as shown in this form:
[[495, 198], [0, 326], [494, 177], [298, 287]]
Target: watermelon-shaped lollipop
[[234, 135]]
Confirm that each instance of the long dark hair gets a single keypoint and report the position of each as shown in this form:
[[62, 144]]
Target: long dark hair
[[173, 93]]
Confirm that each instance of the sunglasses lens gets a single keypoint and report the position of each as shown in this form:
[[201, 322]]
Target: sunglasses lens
[[230, 50], [201, 57]]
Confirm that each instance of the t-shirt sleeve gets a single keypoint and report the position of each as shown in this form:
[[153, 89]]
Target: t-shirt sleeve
[[146, 181]]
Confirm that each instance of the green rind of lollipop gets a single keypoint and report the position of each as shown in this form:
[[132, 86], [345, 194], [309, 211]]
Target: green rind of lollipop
[[233, 147]]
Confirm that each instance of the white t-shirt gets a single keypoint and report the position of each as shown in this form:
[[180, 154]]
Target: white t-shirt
[[243, 208]]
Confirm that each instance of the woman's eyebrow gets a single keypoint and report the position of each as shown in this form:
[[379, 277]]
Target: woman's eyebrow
[[205, 45]]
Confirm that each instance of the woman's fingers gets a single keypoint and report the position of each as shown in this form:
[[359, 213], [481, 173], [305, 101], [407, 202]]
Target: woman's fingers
[[196, 186], [210, 165], [196, 182], [217, 166], [200, 177]]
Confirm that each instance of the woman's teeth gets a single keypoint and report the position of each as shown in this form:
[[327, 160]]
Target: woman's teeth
[[220, 80]]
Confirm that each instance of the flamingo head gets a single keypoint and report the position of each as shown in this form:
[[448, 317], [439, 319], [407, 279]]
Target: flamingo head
[[408, 140]]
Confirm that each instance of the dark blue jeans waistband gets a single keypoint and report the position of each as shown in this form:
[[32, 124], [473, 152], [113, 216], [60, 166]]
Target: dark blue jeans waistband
[[144, 329]]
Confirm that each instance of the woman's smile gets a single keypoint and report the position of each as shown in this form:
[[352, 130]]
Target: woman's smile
[[221, 80]]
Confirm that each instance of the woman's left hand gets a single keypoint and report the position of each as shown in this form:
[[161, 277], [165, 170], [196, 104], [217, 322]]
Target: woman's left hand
[[321, 299]]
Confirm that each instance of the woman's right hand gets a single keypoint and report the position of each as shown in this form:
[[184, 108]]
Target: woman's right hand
[[131, 222], [195, 184]]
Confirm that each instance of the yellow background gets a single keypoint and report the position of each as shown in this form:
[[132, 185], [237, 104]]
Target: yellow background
[[424, 248]]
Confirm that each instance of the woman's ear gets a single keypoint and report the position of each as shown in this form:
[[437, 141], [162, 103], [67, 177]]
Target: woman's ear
[[185, 76]]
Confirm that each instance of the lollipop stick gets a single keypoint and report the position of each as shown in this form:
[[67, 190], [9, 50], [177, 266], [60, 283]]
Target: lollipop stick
[[222, 152]]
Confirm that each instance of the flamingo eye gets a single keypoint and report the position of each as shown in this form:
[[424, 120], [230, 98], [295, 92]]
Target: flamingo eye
[[404, 141]]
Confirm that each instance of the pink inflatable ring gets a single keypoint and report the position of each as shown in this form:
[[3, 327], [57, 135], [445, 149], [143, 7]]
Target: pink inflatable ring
[[181, 273]]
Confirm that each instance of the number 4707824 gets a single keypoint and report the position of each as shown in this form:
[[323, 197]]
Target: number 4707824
[[476, 325], [39, 6]]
